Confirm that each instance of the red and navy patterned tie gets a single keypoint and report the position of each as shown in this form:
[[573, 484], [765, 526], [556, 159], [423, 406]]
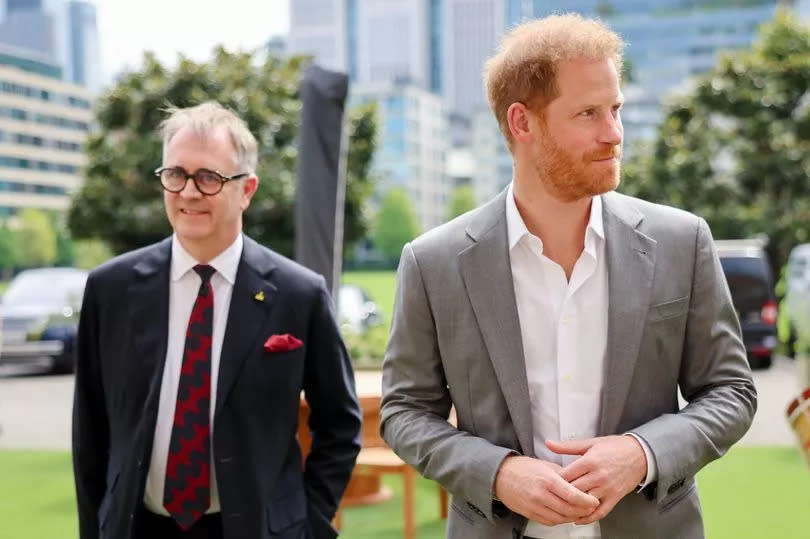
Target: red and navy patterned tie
[[187, 493]]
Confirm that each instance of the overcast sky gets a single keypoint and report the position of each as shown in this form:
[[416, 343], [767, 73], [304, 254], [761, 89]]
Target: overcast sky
[[194, 28]]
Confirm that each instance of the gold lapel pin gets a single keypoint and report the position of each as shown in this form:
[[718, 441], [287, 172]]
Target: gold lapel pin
[[259, 295]]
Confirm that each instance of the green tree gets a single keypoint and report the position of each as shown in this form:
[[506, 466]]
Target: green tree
[[121, 201], [37, 238], [461, 201], [91, 253], [736, 149], [65, 248], [10, 252], [396, 224]]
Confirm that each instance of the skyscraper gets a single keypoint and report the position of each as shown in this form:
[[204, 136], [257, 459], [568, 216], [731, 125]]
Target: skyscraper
[[82, 61], [43, 123], [471, 30], [412, 131], [28, 27], [391, 41], [318, 28], [63, 31]]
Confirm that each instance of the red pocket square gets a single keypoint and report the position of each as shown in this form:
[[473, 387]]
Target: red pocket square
[[282, 343]]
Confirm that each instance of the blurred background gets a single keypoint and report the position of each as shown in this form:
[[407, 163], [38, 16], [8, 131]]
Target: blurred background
[[717, 121]]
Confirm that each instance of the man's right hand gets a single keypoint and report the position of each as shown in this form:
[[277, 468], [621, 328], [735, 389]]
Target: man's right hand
[[535, 489]]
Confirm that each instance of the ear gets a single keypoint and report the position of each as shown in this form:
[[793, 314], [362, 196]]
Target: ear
[[249, 187], [518, 119]]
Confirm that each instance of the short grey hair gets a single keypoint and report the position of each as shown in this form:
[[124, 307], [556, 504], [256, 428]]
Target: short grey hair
[[207, 117]]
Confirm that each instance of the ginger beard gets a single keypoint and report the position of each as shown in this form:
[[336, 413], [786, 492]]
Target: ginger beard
[[569, 177]]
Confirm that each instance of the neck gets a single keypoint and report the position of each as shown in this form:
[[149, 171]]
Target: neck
[[205, 251], [560, 225]]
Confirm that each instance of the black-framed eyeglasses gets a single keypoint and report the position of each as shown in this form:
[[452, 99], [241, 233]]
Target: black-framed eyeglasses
[[208, 182]]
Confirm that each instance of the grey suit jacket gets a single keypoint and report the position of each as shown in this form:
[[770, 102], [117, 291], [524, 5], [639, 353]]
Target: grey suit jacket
[[455, 340]]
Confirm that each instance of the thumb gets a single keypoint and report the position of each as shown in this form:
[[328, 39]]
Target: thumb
[[571, 447]]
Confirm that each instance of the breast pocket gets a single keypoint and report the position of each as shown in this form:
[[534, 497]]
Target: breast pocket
[[669, 309]]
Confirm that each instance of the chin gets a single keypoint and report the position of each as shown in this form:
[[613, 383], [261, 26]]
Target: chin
[[191, 233], [605, 185]]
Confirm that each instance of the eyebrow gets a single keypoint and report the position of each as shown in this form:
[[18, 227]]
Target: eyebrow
[[619, 101]]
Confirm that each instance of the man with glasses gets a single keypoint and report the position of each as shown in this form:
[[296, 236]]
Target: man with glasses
[[191, 358]]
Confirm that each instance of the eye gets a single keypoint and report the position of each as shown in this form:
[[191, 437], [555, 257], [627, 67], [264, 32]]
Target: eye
[[174, 173], [207, 176], [588, 113]]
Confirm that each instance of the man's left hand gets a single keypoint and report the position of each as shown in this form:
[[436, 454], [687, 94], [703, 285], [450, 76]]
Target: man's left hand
[[609, 468]]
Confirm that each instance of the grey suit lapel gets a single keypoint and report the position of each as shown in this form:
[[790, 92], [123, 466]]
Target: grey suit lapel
[[487, 277], [246, 316], [631, 265]]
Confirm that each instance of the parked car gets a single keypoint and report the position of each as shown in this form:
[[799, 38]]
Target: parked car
[[748, 273], [40, 313], [356, 311], [797, 294]]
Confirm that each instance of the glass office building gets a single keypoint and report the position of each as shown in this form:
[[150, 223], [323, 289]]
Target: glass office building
[[43, 124]]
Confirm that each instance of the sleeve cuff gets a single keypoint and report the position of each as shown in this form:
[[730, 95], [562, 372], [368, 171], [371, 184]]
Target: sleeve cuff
[[652, 469]]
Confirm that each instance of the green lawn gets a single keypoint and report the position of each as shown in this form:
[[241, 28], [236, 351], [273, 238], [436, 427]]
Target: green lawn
[[380, 285], [752, 493]]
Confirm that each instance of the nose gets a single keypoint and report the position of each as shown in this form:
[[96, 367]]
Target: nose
[[612, 130], [190, 190]]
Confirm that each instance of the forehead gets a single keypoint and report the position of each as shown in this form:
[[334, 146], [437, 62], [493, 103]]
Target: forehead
[[187, 138], [581, 81], [210, 150]]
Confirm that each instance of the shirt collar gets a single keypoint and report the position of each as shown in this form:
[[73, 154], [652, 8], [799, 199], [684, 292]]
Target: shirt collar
[[516, 227], [225, 263]]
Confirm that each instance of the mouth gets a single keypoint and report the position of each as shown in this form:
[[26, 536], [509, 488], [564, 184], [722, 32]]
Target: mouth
[[187, 211]]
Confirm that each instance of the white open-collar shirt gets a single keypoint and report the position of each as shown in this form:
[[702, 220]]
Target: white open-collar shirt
[[563, 326]]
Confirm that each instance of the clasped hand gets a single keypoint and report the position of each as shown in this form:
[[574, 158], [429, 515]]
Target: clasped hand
[[585, 491]]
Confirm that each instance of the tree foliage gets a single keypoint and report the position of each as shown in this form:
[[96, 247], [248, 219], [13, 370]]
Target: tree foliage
[[461, 201], [121, 202], [396, 224], [10, 250], [736, 148], [37, 238]]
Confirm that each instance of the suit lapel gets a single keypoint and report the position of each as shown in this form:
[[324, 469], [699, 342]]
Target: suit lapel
[[487, 276], [148, 297], [631, 265], [254, 295]]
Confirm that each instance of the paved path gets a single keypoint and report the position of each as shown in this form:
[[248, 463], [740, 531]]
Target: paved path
[[35, 411]]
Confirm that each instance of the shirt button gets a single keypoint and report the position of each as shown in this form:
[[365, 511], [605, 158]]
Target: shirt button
[[567, 378]]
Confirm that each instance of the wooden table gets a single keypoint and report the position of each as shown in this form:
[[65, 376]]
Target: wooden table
[[364, 488]]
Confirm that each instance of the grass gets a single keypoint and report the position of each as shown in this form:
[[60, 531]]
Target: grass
[[380, 285], [752, 493], [36, 495], [756, 492]]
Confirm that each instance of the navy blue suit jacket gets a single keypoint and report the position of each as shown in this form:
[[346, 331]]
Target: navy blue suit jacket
[[264, 490]]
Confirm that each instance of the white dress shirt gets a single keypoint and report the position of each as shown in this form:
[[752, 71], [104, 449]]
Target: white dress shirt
[[564, 327], [183, 288]]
